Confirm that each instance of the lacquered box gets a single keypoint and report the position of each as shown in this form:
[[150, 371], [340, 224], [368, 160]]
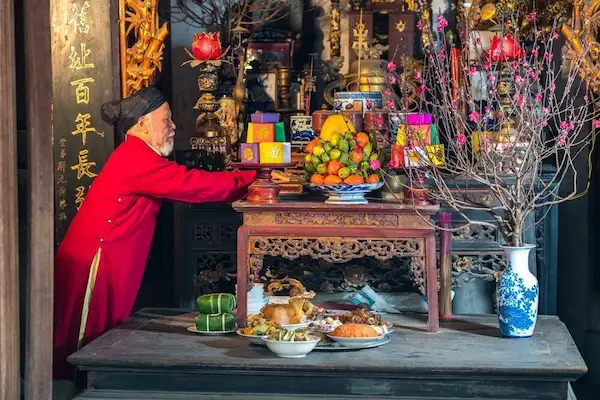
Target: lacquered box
[[264, 118], [249, 153], [275, 152], [260, 133]]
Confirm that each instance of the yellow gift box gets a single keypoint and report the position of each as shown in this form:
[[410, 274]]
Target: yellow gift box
[[435, 154], [419, 134], [424, 156], [275, 152], [260, 133]]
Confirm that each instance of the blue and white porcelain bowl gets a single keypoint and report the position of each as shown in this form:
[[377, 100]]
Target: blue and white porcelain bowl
[[301, 128], [347, 194]]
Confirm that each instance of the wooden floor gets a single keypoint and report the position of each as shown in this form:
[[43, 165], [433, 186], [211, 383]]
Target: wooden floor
[[154, 356]]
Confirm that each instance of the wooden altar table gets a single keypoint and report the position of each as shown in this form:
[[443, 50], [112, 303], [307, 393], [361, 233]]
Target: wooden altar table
[[152, 356], [337, 233]]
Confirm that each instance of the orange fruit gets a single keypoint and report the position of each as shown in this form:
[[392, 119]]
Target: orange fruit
[[311, 145], [334, 166], [354, 180], [373, 178], [317, 179], [362, 139], [332, 180], [356, 156]]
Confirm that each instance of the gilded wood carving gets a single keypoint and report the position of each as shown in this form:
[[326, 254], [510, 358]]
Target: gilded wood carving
[[139, 24]]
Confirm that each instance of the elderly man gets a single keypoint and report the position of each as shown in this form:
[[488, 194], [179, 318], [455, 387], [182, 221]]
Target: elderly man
[[100, 262]]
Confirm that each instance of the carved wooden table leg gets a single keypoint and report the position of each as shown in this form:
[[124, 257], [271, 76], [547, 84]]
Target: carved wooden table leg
[[431, 282], [243, 266]]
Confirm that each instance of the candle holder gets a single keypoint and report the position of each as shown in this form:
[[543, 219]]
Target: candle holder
[[263, 190]]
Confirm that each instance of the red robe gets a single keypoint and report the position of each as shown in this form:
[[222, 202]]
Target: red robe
[[118, 218]]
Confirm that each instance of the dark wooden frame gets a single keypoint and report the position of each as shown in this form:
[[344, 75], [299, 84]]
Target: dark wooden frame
[[40, 189], [9, 251]]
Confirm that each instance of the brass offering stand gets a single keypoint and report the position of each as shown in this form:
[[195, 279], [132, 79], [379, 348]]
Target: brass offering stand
[[263, 190]]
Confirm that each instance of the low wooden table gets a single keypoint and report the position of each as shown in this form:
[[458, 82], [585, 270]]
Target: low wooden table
[[154, 357], [337, 233]]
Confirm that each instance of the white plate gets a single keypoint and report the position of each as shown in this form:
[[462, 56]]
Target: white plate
[[338, 347], [254, 339], [194, 330], [355, 342]]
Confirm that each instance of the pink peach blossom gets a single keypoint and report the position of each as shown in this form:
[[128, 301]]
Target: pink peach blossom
[[474, 116]]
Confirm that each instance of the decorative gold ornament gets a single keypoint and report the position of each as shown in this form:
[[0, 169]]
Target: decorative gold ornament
[[335, 31], [140, 61], [488, 12], [400, 26], [361, 42], [581, 41]]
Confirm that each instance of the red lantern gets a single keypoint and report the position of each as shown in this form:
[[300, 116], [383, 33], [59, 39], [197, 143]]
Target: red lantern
[[505, 49], [207, 46]]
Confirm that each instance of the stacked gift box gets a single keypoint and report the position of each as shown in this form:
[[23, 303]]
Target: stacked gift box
[[265, 141], [417, 142]]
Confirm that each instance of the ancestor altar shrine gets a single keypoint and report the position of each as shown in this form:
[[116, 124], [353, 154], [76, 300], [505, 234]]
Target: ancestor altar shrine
[[381, 225]]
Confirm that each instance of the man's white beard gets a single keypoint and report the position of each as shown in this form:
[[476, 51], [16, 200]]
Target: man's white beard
[[167, 148]]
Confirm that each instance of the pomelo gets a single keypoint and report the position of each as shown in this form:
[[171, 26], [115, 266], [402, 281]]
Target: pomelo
[[336, 123]]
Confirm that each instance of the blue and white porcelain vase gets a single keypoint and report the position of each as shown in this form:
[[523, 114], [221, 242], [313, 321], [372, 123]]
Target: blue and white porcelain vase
[[517, 292]]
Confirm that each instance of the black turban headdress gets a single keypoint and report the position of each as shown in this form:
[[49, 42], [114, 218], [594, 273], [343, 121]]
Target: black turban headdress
[[124, 114]]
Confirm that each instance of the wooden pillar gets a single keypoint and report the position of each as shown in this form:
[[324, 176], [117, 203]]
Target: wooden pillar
[[445, 265], [9, 251], [40, 244]]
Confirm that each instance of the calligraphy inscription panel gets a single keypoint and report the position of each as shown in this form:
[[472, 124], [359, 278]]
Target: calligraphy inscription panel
[[81, 82]]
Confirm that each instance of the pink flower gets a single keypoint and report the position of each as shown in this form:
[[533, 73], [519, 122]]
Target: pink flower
[[419, 25], [585, 98], [375, 165], [441, 54], [544, 110], [519, 80], [564, 125], [555, 35], [442, 23], [535, 51], [538, 98], [391, 105], [391, 66], [379, 121], [478, 40], [392, 164], [562, 139], [474, 116], [597, 123], [417, 76], [461, 139], [387, 92], [421, 89], [392, 79], [472, 71], [533, 74], [487, 109], [543, 124], [531, 17], [369, 104], [487, 65], [552, 87], [499, 115], [548, 56]]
